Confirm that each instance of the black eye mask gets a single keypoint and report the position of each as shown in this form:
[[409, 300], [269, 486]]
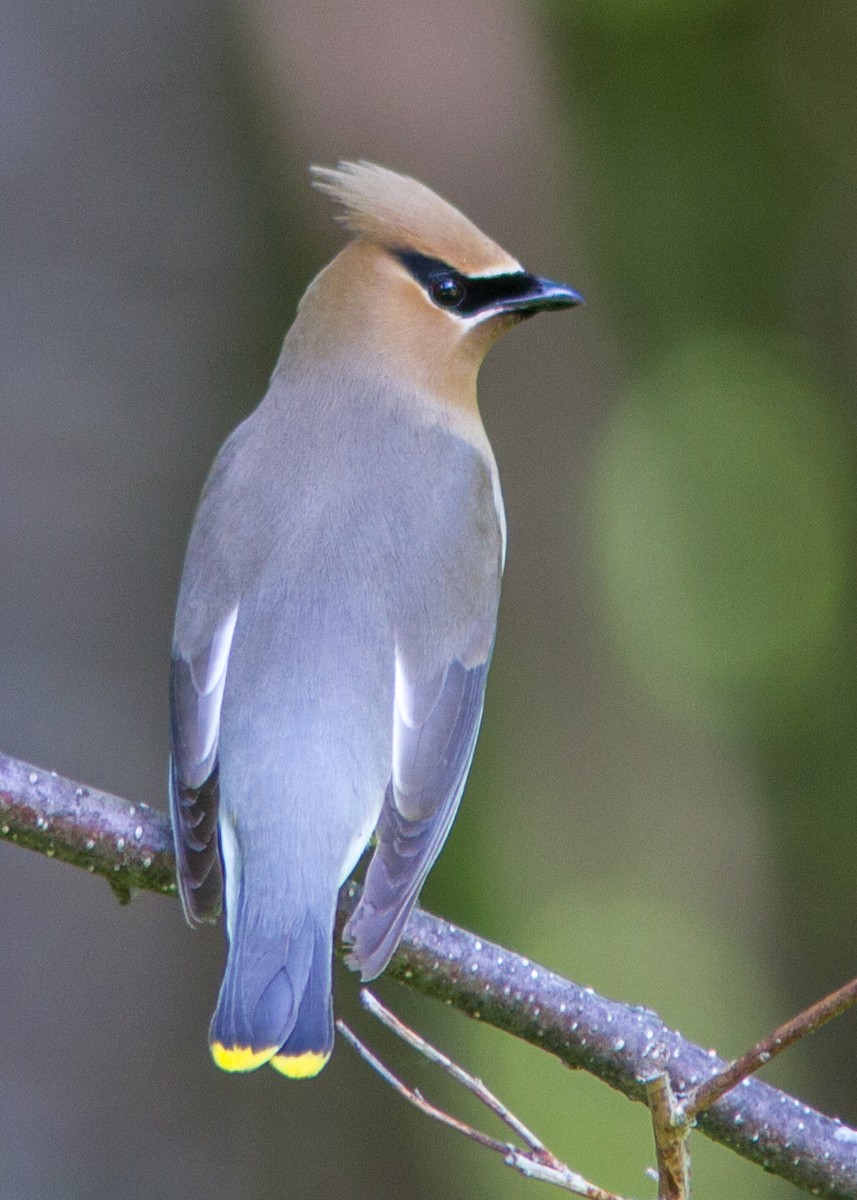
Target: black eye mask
[[467, 294]]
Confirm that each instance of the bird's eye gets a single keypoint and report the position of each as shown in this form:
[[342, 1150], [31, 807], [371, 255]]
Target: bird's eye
[[447, 292]]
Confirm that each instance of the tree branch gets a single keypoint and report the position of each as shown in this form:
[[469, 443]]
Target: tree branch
[[130, 845]]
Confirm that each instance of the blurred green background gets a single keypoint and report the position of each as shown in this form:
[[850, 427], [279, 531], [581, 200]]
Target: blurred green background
[[661, 804]]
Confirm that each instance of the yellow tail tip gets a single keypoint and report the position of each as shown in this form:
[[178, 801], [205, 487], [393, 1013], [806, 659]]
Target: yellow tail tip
[[300, 1066], [240, 1058]]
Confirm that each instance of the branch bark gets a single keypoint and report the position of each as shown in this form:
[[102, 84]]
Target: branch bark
[[131, 846]]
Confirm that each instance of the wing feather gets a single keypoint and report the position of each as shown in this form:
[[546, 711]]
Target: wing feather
[[196, 696], [436, 723]]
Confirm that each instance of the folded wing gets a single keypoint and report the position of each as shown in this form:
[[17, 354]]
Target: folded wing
[[196, 696], [436, 723]]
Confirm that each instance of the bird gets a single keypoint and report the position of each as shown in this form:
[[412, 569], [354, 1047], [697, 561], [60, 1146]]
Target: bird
[[337, 613]]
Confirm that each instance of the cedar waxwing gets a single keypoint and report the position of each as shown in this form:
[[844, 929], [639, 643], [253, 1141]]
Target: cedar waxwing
[[337, 613]]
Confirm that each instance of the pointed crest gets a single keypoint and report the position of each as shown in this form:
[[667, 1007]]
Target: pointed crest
[[402, 214]]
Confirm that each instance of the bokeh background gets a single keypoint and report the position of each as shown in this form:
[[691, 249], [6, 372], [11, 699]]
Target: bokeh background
[[662, 800]]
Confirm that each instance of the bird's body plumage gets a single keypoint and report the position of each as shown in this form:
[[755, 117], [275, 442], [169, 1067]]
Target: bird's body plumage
[[334, 629]]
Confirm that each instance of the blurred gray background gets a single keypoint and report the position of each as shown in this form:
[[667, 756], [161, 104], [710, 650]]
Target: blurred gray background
[[662, 801]]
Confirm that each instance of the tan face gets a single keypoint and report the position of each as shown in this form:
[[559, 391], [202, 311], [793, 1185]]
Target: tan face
[[416, 319]]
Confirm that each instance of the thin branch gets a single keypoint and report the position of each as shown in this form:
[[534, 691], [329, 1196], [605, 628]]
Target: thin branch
[[534, 1164], [410, 1036], [130, 845], [798, 1027], [415, 1098], [671, 1134]]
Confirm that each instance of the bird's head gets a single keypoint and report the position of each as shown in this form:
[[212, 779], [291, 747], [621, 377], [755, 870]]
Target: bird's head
[[420, 293]]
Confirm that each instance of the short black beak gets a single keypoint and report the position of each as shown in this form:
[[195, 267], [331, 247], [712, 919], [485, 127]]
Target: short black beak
[[541, 294]]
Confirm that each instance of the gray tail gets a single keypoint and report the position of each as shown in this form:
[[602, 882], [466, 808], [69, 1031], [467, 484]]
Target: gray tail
[[275, 1003]]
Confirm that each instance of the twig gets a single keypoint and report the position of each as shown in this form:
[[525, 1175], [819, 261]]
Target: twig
[[416, 1098], [806, 1022], [537, 1163], [671, 1134], [374, 1006], [623, 1046]]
